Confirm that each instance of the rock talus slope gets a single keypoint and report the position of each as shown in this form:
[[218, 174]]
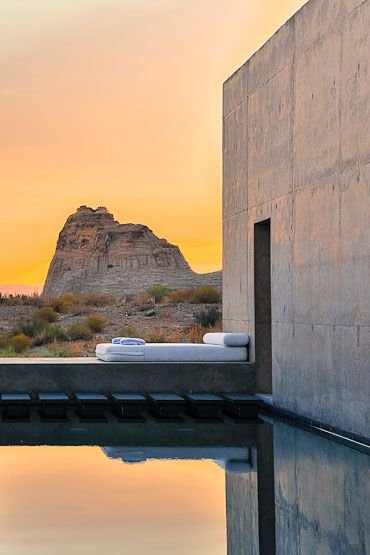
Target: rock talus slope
[[95, 253]]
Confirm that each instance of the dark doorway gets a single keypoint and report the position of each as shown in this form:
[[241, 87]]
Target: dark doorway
[[262, 304]]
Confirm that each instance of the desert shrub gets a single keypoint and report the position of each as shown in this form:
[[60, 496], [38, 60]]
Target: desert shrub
[[157, 334], [57, 304], [79, 330], [20, 342], [50, 334], [205, 294], [95, 322], [179, 296], [157, 292], [127, 331], [4, 342], [65, 303], [31, 328], [45, 314], [208, 317]]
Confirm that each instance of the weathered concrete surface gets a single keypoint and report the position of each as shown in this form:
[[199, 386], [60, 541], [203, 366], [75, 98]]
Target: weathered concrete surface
[[84, 374], [297, 151], [304, 494], [322, 495]]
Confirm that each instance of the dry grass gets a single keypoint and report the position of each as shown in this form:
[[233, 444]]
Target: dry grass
[[166, 314], [162, 334], [97, 299], [77, 349], [73, 349], [195, 333], [127, 331], [75, 333], [21, 300]]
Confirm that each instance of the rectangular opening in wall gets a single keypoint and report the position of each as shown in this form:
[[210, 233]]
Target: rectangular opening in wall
[[262, 304]]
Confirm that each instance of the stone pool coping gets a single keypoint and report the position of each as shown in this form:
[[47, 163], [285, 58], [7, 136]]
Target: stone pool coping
[[69, 375]]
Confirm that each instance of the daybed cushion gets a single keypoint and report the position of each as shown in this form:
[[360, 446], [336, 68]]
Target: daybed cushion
[[227, 339], [170, 352]]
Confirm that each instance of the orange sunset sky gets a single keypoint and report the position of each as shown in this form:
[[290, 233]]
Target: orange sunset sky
[[118, 103], [74, 500]]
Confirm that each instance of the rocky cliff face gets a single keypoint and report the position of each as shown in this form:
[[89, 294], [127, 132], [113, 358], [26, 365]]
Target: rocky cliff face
[[96, 253]]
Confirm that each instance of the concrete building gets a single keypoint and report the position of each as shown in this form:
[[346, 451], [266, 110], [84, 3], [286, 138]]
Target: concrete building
[[296, 212]]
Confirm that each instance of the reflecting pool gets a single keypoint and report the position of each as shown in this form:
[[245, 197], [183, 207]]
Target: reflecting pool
[[180, 488]]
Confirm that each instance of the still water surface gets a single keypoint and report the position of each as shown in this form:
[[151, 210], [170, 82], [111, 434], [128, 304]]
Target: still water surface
[[197, 489]]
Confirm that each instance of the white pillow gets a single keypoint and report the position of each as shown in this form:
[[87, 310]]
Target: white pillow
[[227, 339]]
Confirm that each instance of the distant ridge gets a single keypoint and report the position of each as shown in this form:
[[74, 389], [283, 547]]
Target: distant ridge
[[20, 288], [96, 253]]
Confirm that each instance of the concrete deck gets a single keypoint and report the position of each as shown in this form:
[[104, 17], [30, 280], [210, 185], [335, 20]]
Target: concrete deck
[[69, 375]]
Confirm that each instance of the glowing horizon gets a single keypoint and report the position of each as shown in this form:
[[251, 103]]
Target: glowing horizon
[[118, 104], [76, 500]]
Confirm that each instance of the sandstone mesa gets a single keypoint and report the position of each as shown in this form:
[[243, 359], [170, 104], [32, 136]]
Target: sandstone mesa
[[95, 253]]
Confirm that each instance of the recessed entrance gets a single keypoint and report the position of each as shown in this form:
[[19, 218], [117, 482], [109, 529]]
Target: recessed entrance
[[262, 304]]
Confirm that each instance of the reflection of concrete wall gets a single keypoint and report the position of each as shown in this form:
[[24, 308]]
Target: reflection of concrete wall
[[322, 494], [242, 514], [321, 491], [250, 508], [297, 150]]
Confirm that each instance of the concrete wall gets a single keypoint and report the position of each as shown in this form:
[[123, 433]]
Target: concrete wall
[[296, 149]]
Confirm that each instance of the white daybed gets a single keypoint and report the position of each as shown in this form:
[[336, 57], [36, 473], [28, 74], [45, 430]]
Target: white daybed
[[217, 347]]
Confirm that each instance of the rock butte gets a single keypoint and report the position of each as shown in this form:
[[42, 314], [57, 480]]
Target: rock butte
[[95, 253]]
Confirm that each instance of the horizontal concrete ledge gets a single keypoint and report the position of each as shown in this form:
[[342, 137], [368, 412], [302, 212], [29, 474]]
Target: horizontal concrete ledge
[[93, 360], [350, 439], [69, 375], [50, 360]]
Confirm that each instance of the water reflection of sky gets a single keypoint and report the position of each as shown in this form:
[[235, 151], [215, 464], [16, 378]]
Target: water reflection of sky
[[274, 490], [75, 500]]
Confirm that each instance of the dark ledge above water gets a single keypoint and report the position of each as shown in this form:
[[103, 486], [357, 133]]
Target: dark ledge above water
[[88, 374]]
